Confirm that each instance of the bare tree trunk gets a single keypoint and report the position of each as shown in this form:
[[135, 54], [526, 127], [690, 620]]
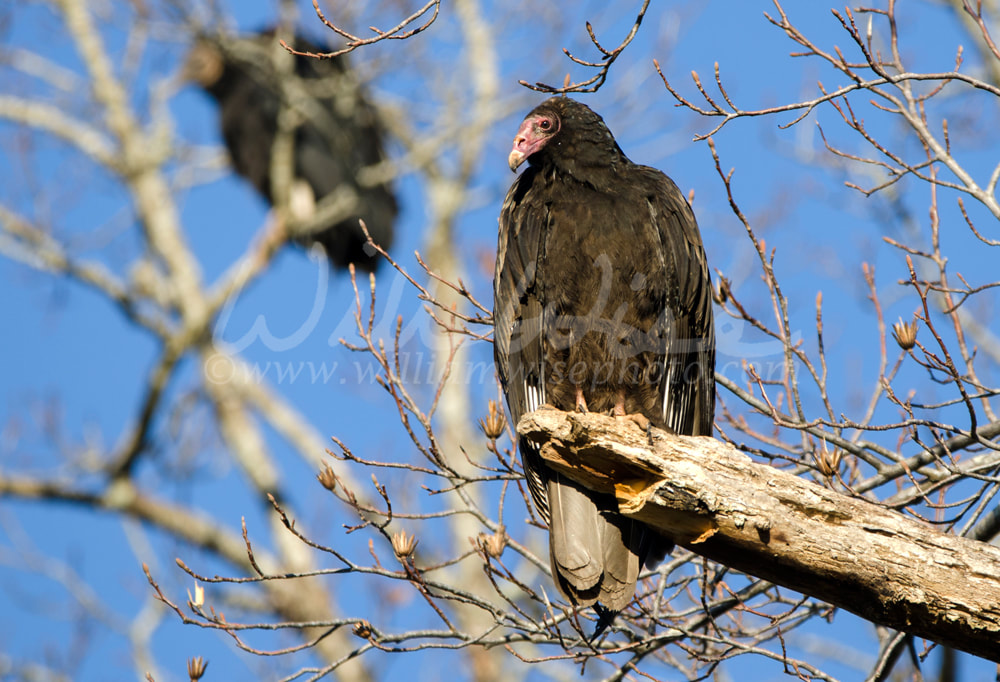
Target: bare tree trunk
[[715, 501], [455, 419]]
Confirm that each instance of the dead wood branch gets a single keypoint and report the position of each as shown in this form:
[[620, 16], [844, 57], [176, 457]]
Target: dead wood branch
[[848, 551]]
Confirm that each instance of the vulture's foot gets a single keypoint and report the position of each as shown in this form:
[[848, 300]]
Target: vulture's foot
[[640, 420]]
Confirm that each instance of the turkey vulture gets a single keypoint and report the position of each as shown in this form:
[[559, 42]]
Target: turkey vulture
[[602, 302], [336, 137]]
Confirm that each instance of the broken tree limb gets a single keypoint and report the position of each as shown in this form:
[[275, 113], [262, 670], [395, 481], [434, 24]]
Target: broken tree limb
[[717, 502]]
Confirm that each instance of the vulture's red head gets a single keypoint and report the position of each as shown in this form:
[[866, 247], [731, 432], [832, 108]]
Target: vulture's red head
[[540, 126], [562, 128]]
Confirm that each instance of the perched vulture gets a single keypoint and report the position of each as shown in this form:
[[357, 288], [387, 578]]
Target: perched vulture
[[337, 134], [602, 302]]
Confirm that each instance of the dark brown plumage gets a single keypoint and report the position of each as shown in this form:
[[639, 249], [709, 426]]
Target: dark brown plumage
[[602, 302], [338, 135]]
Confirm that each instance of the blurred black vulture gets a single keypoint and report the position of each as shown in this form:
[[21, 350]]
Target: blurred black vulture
[[602, 302], [336, 136]]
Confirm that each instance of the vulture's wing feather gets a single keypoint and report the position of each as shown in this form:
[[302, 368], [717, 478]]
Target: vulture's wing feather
[[517, 321], [249, 112], [688, 383]]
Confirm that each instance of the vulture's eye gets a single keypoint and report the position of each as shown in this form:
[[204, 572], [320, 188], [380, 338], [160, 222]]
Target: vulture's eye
[[545, 124]]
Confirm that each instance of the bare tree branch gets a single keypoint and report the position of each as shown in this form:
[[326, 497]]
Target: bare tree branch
[[603, 65], [399, 32]]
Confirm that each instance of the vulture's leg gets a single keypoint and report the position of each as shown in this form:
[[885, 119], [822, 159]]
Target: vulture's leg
[[581, 402], [619, 409], [640, 419]]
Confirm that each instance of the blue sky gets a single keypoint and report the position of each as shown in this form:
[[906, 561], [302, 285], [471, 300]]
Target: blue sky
[[72, 369]]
